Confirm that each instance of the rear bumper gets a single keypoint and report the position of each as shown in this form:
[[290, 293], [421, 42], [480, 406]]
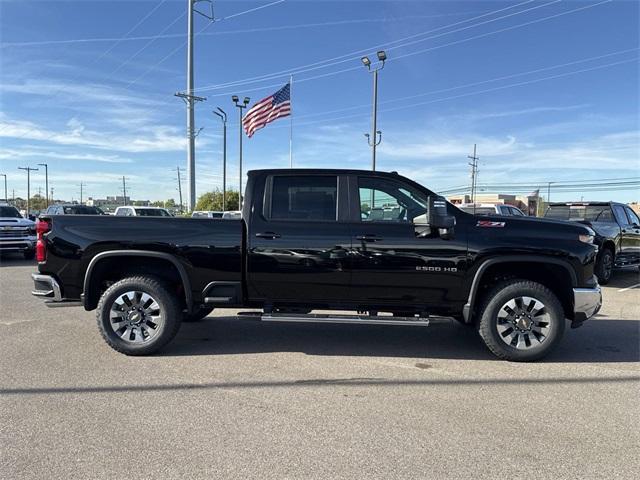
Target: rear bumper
[[587, 302], [46, 286]]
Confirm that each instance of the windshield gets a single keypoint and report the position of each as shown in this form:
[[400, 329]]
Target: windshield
[[591, 213], [152, 212], [82, 210], [9, 212]]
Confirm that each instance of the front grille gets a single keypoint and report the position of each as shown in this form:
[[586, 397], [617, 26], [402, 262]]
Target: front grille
[[14, 233]]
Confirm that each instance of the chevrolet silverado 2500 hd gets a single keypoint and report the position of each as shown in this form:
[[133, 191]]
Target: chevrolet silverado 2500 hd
[[372, 242]]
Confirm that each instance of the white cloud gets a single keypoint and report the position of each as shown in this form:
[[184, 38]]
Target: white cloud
[[159, 138]]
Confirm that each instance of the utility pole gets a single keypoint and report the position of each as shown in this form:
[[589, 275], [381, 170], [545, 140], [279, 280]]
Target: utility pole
[[223, 116], [124, 190], [241, 106], [549, 192], [190, 100], [28, 170], [81, 186], [46, 181], [474, 173], [52, 195], [376, 135], [6, 198]]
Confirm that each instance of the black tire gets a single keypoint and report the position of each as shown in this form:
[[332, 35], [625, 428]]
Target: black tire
[[493, 304], [604, 266], [198, 315], [29, 254], [170, 314]]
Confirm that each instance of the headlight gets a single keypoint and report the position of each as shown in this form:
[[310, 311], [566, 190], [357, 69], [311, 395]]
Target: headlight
[[586, 238]]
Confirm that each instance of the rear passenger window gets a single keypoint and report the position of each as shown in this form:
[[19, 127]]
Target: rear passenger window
[[304, 198]]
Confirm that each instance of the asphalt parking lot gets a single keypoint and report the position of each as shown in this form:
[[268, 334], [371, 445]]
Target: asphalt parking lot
[[240, 399]]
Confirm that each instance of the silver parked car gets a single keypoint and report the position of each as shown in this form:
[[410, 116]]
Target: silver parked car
[[491, 209], [17, 234]]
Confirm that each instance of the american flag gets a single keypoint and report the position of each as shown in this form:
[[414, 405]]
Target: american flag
[[268, 110]]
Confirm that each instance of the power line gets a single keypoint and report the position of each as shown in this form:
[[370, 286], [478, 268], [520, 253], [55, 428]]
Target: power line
[[233, 32], [348, 56], [457, 42], [175, 50]]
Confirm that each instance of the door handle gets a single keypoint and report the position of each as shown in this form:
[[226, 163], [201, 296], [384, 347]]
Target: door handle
[[368, 238], [268, 235]]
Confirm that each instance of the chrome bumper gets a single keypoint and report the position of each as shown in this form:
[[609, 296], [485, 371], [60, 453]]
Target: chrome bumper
[[587, 302], [46, 286]]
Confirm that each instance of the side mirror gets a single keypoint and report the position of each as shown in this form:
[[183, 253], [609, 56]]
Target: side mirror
[[436, 218]]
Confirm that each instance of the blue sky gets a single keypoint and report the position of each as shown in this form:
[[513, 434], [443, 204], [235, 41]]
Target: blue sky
[[548, 90]]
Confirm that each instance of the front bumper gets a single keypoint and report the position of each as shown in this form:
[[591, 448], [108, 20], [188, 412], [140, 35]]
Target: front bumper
[[17, 244], [587, 302]]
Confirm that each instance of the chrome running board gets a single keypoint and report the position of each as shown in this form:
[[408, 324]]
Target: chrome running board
[[353, 319]]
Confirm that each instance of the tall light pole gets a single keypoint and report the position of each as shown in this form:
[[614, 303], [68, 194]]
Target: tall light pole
[[46, 181], [190, 100], [28, 170], [6, 198], [223, 116], [241, 106], [376, 135]]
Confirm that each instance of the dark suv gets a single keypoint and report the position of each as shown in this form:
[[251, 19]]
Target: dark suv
[[617, 229]]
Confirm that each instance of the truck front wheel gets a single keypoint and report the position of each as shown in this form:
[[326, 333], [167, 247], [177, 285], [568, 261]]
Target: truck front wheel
[[604, 266], [521, 321], [138, 315]]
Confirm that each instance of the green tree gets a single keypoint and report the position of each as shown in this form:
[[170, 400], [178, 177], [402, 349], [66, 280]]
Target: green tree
[[213, 201], [38, 202]]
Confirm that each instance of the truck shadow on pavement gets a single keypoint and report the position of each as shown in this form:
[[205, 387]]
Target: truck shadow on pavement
[[7, 260], [600, 340]]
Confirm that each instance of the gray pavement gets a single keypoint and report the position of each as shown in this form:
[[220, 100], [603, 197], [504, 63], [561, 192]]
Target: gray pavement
[[240, 399]]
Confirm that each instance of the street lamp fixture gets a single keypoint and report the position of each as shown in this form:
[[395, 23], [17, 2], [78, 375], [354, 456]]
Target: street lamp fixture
[[241, 106], [374, 139], [46, 181], [223, 116]]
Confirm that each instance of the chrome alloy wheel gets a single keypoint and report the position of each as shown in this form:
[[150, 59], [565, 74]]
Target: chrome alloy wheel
[[135, 317], [523, 323]]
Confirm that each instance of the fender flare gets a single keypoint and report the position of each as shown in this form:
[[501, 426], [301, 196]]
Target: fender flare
[[186, 283], [468, 307]]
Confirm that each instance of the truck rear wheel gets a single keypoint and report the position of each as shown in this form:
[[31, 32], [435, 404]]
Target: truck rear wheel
[[138, 315], [521, 321]]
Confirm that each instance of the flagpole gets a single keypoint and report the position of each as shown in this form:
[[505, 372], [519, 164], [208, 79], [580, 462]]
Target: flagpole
[[291, 121]]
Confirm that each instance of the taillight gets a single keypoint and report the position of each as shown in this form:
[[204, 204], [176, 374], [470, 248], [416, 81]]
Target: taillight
[[42, 227]]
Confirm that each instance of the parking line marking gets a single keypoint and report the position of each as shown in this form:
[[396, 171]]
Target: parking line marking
[[629, 288]]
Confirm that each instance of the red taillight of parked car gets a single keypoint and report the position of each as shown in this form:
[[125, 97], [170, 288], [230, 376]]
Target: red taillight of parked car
[[42, 227]]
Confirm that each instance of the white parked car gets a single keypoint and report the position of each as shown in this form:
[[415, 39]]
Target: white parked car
[[17, 234], [131, 211], [206, 214], [491, 209], [234, 215]]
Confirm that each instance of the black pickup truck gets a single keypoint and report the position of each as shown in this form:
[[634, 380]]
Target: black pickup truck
[[617, 232], [368, 242]]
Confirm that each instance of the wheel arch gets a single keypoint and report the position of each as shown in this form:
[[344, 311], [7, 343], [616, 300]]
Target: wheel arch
[[95, 273], [561, 283]]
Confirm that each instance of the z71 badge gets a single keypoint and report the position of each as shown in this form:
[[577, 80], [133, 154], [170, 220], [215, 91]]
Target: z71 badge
[[490, 224]]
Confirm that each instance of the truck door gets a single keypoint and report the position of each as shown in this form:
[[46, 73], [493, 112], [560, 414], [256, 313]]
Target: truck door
[[625, 247], [298, 244], [391, 264], [631, 236]]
